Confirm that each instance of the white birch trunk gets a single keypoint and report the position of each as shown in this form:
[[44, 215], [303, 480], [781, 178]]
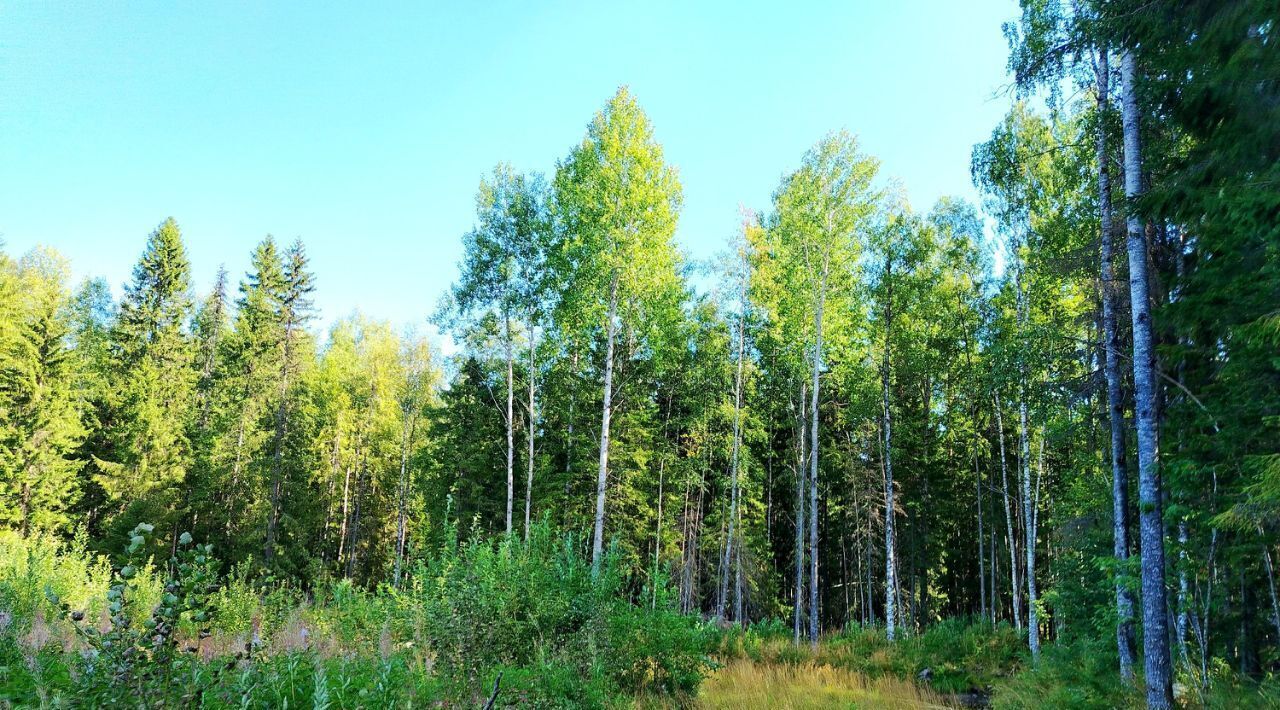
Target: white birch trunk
[[533, 416], [890, 541], [402, 491], [1271, 587], [1115, 399], [1008, 523], [813, 468], [800, 477], [602, 475], [511, 445], [1155, 623], [1028, 512]]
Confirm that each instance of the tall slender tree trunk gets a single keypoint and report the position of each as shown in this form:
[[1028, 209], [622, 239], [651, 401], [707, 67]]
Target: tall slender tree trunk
[[1271, 588], [739, 596], [362, 484], [511, 434], [890, 539], [813, 466], [1184, 596], [602, 475], [346, 516], [768, 492], [1008, 523], [533, 417], [695, 558], [982, 562], [1029, 528], [735, 515], [993, 571], [735, 463], [800, 505], [922, 540], [1028, 503], [334, 466], [977, 477], [1115, 398], [237, 466], [402, 490], [657, 533], [686, 515], [568, 444], [1155, 623]]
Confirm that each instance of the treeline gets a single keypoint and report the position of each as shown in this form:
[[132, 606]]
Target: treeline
[[1059, 412], [223, 418]]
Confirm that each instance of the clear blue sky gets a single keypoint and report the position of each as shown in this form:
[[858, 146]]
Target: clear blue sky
[[365, 129]]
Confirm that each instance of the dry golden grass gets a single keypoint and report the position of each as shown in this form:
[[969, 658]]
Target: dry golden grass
[[744, 684]]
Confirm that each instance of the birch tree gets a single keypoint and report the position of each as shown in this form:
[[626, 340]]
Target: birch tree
[[416, 385], [504, 258], [821, 209], [1111, 350], [1155, 625], [733, 541], [616, 203], [1051, 43]]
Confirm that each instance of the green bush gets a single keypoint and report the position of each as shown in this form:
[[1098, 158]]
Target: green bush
[[29, 566], [963, 656], [561, 633], [132, 665], [540, 605], [1081, 674]]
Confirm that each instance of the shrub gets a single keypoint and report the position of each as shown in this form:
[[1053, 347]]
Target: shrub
[[1081, 674], [131, 665], [562, 634], [539, 604], [29, 566]]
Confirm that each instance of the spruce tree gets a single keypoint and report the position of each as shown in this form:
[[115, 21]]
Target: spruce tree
[[41, 415], [152, 384]]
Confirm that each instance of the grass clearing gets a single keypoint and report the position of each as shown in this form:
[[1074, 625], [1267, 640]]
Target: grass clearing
[[744, 683]]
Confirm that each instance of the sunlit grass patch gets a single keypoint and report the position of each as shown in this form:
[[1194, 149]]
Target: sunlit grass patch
[[745, 684]]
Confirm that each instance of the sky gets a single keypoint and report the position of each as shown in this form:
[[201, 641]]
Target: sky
[[365, 128]]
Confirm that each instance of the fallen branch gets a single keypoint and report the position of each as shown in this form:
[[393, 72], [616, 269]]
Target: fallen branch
[[494, 698]]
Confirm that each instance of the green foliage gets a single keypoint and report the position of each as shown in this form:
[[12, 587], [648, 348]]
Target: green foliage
[[145, 452], [1076, 675], [537, 604], [42, 415], [529, 610], [125, 664], [325, 467]]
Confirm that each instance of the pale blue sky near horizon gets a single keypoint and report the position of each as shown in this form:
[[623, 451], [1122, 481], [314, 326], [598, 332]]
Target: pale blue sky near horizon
[[365, 129]]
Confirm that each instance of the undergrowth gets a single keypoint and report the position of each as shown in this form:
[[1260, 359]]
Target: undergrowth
[[161, 629], [151, 632]]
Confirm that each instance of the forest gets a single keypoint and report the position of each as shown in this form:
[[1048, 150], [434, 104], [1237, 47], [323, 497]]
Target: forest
[[1023, 452]]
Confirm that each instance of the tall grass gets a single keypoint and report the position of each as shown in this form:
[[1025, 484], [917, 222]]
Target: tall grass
[[745, 683], [959, 656]]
